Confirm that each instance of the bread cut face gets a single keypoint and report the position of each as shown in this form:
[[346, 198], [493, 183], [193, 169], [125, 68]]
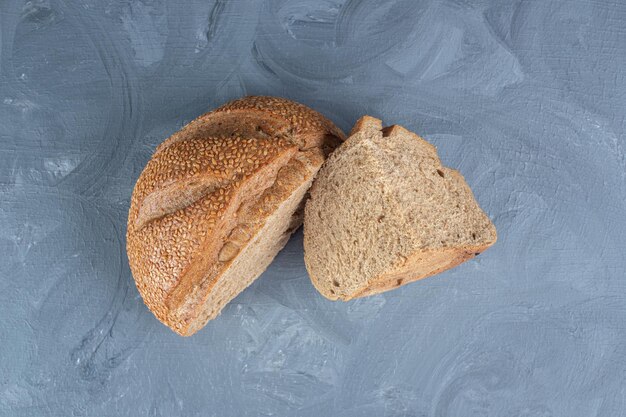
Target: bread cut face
[[384, 212], [218, 200]]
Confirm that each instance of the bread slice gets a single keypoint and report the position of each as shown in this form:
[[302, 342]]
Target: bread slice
[[218, 200], [384, 212]]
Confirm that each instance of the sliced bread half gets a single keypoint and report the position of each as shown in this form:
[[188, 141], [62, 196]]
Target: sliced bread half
[[384, 212]]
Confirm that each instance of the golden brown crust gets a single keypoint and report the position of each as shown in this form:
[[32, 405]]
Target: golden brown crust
[[310, 128], [244, 123], [420, 265], [204, 192]]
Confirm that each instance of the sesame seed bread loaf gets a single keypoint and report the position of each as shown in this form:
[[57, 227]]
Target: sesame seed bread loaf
[[384, 212], [218, 200]]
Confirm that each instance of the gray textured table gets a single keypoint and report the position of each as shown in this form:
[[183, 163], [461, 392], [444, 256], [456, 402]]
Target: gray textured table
[[526, 98]]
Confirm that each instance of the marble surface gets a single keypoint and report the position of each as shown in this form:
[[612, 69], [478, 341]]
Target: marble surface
[[526, 98]]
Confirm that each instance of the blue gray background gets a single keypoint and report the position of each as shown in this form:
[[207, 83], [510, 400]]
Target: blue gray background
[[526, 98]]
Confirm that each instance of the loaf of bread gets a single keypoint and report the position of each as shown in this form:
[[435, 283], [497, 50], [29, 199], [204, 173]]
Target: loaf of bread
[[384, 212], [218, 200]]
